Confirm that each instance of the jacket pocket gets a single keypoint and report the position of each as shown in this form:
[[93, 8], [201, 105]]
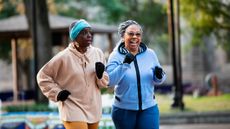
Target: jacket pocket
[[117, 98]]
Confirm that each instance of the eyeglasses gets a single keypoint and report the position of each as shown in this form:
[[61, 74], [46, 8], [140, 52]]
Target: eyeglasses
[[132, 34]]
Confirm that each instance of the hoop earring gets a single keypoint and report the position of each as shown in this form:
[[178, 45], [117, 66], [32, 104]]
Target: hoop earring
[[76, 44]]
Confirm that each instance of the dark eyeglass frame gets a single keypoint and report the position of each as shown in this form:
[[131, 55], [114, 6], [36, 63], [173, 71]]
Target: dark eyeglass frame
[[131, 34]]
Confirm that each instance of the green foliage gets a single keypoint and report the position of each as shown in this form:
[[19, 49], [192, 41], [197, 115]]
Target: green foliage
[[212, 103], [103, 90], [27, 108], [70, 8], [150, 14], [208, 17], [8, 9], [197, 36], [153, 15], [5, 49], [114, 9], [72, 12]]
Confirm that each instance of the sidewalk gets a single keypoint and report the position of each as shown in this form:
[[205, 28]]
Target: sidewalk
[[182, 120], [196, 118], [196, 126]]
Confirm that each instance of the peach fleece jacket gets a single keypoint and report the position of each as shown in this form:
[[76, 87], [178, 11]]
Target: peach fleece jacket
[[75, 72]]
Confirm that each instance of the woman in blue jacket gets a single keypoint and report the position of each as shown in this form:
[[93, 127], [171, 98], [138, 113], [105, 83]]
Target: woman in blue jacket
[[134, 69]]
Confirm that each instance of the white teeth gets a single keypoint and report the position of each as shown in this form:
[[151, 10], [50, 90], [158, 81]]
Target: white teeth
[[132, 41]]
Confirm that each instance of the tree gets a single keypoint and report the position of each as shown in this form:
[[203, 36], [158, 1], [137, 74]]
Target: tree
[[37, 17], [39, 29], [208, 17], [8, 8]]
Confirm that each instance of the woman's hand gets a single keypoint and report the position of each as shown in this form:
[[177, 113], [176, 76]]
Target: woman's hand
[[63, 95], [128, 58], [158, 72], [100, 68]]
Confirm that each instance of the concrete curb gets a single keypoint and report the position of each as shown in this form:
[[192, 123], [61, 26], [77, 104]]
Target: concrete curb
[[195, 118]]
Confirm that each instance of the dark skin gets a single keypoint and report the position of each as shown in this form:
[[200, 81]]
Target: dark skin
[[83, 40]]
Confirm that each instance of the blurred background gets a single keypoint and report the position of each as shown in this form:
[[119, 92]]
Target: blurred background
[[190, 37]]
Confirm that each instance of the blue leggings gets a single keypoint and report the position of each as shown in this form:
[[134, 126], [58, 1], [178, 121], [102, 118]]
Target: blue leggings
[[130, 119]]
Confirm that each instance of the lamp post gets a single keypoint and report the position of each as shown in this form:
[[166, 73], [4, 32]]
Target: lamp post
[[174, 32], [34, 39]]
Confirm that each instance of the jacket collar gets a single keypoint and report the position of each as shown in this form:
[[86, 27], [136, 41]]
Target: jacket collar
[[124, 51], [83, 57]]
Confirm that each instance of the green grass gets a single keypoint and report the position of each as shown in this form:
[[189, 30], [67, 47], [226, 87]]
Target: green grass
[[27, 108], [200, 104]]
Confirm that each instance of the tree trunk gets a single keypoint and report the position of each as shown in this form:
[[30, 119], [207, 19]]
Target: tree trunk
[[37, 17]]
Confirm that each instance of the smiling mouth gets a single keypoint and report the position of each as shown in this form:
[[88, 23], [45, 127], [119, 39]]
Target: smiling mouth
[[133, 42]]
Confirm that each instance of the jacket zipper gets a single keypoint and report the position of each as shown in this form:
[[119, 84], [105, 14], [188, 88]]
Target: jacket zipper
[[85, 75], [84, 67], [138, 84]]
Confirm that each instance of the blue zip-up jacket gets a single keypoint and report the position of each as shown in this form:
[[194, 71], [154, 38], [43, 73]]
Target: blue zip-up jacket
[[134, 82]]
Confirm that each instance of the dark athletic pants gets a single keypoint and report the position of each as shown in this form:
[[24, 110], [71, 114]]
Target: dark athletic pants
[[130, 119]]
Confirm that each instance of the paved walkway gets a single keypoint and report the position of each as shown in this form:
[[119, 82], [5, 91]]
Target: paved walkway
[[196, 126], [196, 118]]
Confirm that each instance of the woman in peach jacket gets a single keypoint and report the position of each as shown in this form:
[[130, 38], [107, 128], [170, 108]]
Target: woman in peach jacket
[[73, 78]]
